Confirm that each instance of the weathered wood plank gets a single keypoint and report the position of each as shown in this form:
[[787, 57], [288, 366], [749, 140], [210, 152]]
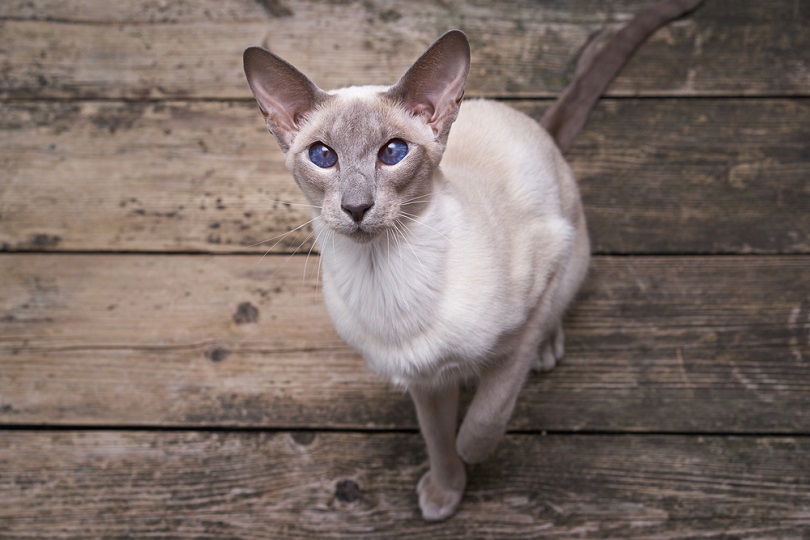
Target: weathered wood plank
[[333, 485], [656, 343], [520, 48], [656, 176], [178, 11], [721, 176], [113, 176]]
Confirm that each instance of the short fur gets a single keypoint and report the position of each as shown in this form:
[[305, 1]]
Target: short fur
[[462, 257]]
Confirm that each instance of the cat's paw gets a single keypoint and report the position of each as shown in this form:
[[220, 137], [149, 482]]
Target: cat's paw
[[551, 351], [438, 503]]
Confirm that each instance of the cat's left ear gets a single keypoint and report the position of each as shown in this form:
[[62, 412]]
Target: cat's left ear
[[434, 86]]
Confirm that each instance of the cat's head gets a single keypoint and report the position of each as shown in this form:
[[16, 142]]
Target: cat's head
[[363, 155]]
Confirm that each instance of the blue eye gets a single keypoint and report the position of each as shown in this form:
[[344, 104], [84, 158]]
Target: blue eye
[[393, 151], [322, 156]]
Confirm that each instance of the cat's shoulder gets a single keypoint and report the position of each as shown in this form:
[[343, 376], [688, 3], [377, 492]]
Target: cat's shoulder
[[487, 126], [494, 116], [485, 109]]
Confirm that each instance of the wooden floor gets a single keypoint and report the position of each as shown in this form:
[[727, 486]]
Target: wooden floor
[[167, 368]]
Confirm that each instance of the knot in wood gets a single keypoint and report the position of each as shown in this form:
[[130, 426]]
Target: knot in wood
[[246, 313], [347, 491], [217, 354]]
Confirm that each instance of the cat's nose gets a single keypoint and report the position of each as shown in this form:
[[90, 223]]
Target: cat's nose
[[356, 210]]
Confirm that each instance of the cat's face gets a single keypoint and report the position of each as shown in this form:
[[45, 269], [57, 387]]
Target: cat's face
[[365, 161], [363, 156]]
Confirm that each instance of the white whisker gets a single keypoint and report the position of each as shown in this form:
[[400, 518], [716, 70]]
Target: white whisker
[[425, 197], [306, 262], [320, 258], [286, 203], [323, 234], [333, 243], [420, 198], [398, 233], [408, 242], [419, 222], [388, 246], [281, 236], [291, 255]]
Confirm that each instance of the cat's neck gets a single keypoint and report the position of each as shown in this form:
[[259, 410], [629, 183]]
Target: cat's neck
[[393, 281]]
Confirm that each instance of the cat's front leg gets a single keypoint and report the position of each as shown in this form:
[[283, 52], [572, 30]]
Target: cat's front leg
[[441, 488]]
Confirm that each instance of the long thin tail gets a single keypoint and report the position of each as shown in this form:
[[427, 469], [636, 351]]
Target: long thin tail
[[566, 117]]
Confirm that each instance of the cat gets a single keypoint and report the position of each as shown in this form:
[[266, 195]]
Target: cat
[[447, 258]]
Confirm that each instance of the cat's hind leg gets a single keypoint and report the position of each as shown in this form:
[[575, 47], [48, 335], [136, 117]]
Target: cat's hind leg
[[441, 488], [485, 423], [551, 351]]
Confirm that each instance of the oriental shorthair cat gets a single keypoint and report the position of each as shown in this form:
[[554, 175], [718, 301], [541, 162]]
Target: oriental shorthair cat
[[449, 255]]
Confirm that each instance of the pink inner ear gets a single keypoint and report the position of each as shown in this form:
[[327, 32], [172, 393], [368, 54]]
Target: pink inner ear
[[425, 111], [432, 88]]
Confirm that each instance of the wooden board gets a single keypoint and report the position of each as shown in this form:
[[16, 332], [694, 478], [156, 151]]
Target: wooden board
[[336, 485], [656, 176], [193, 50], [711, 345]]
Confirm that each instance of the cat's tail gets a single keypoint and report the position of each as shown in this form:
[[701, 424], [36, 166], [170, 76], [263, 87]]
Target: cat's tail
[[597, 67]]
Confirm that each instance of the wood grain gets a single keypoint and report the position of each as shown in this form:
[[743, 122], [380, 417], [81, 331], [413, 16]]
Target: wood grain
[[337, 485], [146, 391], [716, 176], [656, 177], [193, 50], [708, 345]]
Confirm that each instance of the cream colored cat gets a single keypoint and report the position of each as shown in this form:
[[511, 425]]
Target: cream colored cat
[[447, 257]]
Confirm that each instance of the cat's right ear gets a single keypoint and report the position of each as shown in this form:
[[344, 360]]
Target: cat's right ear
[[433, 87], [285, 95]]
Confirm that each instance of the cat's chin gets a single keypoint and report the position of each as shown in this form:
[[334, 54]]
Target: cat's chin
[[361, 236]]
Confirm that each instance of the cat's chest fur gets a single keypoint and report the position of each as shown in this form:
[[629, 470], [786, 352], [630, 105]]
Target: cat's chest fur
[[444, 293]]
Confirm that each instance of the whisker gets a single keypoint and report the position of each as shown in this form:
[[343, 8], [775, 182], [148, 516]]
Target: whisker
[[408, 242], [323, 232], [418, 222], [281, 236], [395, 233], [388, 246], [333, 243], [287, 203], [306, 261], [320, 259], [420, 198], [291, 255]]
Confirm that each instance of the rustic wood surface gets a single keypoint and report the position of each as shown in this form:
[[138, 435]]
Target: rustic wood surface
[[520, 48], [189, 176], [160, 376], [345, 485], [654, 344]]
